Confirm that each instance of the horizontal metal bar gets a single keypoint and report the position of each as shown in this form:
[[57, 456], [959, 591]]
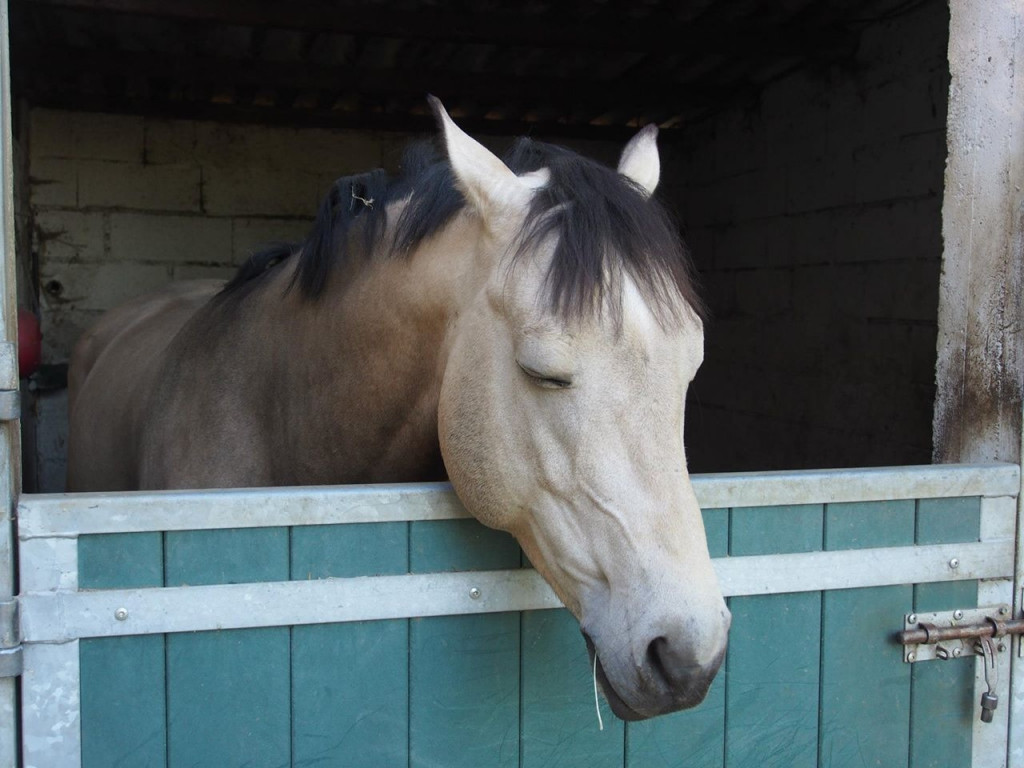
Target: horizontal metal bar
[[62, 616], [857, 568], [831, 486], [69, 515], [990, 628]]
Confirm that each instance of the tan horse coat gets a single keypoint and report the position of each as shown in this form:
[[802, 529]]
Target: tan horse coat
[[535, 344]]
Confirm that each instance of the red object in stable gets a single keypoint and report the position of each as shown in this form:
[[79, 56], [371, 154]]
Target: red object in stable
[[30, 340]]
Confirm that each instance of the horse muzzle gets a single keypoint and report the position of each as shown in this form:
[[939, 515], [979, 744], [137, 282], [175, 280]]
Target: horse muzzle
[[668, 675]]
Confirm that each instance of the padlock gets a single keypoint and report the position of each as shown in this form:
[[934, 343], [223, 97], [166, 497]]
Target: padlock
[[989, 702]]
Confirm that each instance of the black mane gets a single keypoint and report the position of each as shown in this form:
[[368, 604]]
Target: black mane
[[604, 225]]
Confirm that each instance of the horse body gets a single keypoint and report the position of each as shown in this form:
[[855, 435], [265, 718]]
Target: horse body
[[208, 400], [532, 340], [110, 380]]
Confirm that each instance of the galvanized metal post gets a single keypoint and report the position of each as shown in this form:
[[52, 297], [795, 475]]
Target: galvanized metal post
[[9, 430], [979, 406], [1016, 703]]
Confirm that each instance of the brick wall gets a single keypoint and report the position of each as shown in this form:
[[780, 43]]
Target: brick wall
[[123, 204], [815, 218], [120, 205]]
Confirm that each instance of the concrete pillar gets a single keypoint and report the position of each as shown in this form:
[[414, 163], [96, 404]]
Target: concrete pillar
[[980, 367], [9, 431]]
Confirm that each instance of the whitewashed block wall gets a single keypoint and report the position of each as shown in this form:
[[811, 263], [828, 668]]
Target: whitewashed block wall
[[121, 205]]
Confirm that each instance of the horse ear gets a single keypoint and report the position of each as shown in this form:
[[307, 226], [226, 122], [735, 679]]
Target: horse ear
[[489, 184], [639, 162]]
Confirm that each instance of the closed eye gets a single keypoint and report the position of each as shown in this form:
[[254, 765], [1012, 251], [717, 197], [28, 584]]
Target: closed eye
[[545, 380]]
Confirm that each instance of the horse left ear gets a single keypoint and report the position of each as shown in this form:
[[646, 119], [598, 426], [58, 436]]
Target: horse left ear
[[639, 162], [488, 184]]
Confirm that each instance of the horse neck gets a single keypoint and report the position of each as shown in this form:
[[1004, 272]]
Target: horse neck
[[368, 356]]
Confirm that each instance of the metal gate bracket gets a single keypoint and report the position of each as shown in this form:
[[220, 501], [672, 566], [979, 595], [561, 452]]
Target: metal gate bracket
[[954, 634], [10, 397], [11, 663], [10, 404]]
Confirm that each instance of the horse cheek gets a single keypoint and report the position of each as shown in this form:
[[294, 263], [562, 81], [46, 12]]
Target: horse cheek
[[473, 459]]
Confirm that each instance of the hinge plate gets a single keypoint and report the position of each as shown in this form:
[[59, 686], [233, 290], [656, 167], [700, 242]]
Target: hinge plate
[[11, 663], [8, 365], [10, 404], [943, 620]]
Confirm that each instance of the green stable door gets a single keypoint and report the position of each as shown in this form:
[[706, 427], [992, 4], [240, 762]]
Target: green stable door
[[811, 678]]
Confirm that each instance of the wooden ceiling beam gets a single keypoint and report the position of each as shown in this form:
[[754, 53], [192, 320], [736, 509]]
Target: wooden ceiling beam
[[556, 28], [333, 119], [626, 94]]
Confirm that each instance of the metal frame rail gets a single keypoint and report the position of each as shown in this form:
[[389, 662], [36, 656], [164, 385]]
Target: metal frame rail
[[54, 614]]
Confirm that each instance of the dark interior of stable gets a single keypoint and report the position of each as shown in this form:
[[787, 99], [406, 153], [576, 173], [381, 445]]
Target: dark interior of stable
[[803, 149]]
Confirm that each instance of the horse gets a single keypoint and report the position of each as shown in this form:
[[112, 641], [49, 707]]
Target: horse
[[525, 327]]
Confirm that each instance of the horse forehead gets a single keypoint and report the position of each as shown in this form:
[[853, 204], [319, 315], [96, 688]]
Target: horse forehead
[[627, 320], [637, 314]]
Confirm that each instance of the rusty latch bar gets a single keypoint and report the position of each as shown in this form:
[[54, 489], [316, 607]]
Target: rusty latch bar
[[952, 634]]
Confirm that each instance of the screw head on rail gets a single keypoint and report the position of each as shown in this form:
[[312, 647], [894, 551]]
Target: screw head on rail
[[954, 563], [474, 593], [912, 618], [121, 614], [958, 614]]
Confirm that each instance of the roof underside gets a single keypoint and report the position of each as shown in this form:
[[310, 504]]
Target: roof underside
[[580, 68]]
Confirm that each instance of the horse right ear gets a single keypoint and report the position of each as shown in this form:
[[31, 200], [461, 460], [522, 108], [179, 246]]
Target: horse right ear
[[639, 161], [489, 185]]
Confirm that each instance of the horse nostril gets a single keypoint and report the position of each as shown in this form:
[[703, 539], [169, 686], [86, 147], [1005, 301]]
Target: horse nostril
[[656, 659], [675, 666]]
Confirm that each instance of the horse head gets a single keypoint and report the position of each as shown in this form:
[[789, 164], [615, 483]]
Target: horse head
[[561, 409]]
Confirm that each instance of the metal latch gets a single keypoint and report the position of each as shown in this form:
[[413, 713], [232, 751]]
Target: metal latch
[[955, 634], [952, 634], [11, 663]]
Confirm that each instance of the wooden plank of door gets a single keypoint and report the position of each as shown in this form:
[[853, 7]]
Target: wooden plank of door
[[124, 719], [464, 670], [942, 706], [772, 688], [228, 693], [559, 721], [865, 686], [695, 738], [350, 682]]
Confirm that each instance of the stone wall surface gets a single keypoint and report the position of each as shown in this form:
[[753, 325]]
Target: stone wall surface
[[813, 214]]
